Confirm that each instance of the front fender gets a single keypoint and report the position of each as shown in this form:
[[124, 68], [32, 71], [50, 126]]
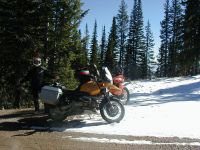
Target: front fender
[[111, 97]]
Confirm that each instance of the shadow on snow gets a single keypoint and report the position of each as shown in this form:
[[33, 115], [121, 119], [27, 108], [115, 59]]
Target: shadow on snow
[[162, 96]]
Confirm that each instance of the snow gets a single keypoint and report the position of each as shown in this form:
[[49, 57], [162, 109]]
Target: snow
[[167, 107], [123, 141], [162, 107]]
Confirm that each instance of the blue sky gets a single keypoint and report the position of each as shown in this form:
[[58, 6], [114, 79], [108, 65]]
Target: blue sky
[[104, 10]]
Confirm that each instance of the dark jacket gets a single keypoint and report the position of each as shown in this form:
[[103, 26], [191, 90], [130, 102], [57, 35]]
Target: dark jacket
[[36, 77]]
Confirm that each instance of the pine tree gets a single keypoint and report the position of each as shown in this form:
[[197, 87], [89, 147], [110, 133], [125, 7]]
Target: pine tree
[[136, 43], [111, 52], [49, 26], [149, 53], [94, 47], [176, 39], [86, 42], [80, 52], [165, 34], [122, 30], [131, 52], [67, 39], [192, 37], [18, 39], [141, 42], [103, 47]]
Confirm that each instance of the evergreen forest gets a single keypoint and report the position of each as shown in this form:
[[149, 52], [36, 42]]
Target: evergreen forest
[[52, 28]]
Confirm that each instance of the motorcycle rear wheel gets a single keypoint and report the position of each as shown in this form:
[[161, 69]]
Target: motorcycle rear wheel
[[112, 111], [56, 114], [125, 97]]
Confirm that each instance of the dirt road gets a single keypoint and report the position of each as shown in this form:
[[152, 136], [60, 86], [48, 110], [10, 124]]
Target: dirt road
[[25, 130]]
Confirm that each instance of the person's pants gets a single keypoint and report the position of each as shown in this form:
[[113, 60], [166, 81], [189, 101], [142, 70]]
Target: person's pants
[[36, 99], [17, 98]]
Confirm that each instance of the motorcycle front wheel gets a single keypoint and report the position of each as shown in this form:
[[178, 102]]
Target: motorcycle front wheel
[[112, 111]]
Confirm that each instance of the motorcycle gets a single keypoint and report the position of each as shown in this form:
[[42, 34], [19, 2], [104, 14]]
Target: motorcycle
[[62, 103], [114, 84], [123, 95]]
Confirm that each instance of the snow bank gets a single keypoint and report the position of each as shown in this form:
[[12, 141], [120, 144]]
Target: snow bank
[[161, 107]]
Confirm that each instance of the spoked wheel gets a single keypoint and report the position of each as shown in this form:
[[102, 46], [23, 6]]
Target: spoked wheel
[[112, 111], [124, 98], [56, 114]]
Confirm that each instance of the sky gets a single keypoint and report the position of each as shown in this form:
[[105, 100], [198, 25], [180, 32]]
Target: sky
[[104, 10]]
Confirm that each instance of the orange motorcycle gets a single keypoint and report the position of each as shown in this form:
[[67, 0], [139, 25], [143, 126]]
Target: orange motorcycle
[[90, 95], [115, 85], [124, 95]]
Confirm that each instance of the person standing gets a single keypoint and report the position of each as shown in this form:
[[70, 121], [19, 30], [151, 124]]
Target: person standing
[[35, 75]]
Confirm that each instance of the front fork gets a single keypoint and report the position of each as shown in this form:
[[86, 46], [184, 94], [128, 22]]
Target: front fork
[[109, 105]]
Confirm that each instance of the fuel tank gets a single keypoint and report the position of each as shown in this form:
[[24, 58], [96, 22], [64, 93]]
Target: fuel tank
[[90, 87]]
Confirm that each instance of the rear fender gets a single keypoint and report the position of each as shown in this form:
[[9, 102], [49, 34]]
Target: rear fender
[[115, 90]]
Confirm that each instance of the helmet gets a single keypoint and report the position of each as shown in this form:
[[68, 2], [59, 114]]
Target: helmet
[[36, 61]]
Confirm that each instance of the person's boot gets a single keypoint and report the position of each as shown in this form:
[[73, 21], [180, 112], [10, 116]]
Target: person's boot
[[36, 104], [16, 105]]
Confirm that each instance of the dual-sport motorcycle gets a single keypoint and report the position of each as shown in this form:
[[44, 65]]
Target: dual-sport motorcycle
[[114, 84], [123, 94], [91, 95]]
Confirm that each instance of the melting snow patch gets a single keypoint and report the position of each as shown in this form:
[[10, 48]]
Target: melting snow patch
[[123, 141]]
